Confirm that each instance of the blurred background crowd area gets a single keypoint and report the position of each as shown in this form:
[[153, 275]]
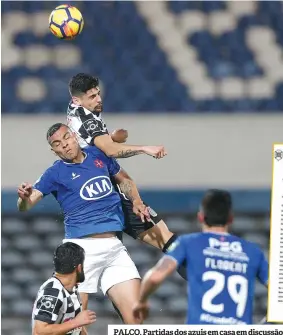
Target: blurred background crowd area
[[28, 244], [151, 57], [173, 56]]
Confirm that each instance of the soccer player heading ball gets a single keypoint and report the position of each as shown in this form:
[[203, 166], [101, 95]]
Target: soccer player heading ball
[[84, 118]]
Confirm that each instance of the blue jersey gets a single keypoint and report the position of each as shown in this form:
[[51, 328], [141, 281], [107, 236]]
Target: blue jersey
[[221, 271], [85, 193]]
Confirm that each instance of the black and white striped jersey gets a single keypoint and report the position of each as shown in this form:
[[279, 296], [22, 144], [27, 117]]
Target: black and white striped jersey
[[54, 304], [85, 124]]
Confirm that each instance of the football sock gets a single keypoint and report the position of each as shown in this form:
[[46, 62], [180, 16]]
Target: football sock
[[182, 269]]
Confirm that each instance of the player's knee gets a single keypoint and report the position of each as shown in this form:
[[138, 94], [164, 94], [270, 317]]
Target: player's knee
[[129, 319], [157, 236], [125, 312]]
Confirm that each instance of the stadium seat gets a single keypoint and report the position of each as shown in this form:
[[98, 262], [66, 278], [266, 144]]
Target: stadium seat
[[94, 305], [40, 259], [130, 243], [156, 306], [178, 304], [263, 302], [257, 238], [12, 259], [48, 226], [5, 308], [13, 226], [179, 225], [266, 223], [52, 242], [26, 242], [142, 258], [23, 275], [167, 290], [5, 242], [260, 290], [30, 291], [23, 308], [245, 223], [11, 292]]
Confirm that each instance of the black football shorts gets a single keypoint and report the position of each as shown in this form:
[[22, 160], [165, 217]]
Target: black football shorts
[[133, 224]]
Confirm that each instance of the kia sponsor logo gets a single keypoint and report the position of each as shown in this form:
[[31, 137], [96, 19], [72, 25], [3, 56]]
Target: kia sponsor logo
[[96, 188]]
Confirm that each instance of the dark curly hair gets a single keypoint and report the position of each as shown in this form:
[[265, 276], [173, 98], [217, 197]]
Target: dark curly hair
[[81, 83], [67, 257]]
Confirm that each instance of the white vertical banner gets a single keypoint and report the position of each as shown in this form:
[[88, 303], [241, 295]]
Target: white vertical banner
[[275, 286]]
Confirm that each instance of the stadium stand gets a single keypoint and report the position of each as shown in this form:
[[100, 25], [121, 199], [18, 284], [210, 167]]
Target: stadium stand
[[25, 264], [206, 54]]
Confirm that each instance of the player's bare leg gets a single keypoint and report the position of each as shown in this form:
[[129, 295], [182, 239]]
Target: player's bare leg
[[157, 236], [124, 296]]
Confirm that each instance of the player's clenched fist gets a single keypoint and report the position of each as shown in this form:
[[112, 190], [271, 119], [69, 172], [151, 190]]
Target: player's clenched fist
[[140, 311], [25, 191], [155, 151], [119, 135], [85, 318], [141, 210]]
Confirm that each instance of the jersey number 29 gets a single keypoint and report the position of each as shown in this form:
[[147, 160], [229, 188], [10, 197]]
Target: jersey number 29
[[237, 288]]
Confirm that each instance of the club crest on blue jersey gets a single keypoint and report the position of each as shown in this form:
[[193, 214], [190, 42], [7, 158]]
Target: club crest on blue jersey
[[98, 163], [96, 188]]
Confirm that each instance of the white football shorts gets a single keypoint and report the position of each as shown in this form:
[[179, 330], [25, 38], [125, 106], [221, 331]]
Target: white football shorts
[[107, 263]]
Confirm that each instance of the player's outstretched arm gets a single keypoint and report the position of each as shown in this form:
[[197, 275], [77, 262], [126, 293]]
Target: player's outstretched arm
[[151, 281], [28, 197], [129, 188], [121, 150], [155, 276], [84, 318]]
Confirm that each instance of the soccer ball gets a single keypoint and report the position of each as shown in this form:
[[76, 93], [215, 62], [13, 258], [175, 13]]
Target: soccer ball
[[66, 22]]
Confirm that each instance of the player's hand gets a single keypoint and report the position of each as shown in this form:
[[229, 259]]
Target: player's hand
[[119, 135], [25, 191], [157, 151], [85, 318], [141, 210], [84, 331], [140, 311]]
